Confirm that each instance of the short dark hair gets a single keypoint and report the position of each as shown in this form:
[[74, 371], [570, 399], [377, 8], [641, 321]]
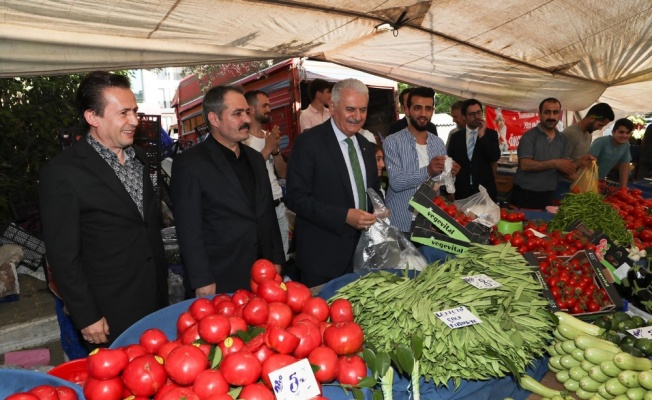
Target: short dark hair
[[90, 94], [457, 105], [601, 111], [468, 103], [625, 123], [214, 101], [252, 96], [403, 93], [548, 100], [318, 85], [420, 91]]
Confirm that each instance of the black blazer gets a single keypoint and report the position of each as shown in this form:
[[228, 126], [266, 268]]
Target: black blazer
[[220, 232], [319, 192], [486, 152], [106, 259]]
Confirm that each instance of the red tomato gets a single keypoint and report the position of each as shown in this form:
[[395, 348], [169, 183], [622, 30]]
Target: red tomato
[[152, 339], [344, 337], [303, 316], [262, 269], [256, 312], [645, 235], [241, 368], [231, 344], [517, 241], [263, 352], [298, 294], [44, 392], [329, 364], [185, 363], [256, 391], [272, 291], [210, 382], [317, 307], [108, 389], [201, 308], [164, 351], [190, 335], [242, 296], [280, 314], [309, 337], [220, 298], [144, 375], [105, 364], [185, 321], [352, 369], [178, 393], [214, 328], [225, 307], [274, 362], [134, 350], [237, 324], [280, 340], [22, 396], [503, 214], [512, 217], [66, 393], [341, 310]]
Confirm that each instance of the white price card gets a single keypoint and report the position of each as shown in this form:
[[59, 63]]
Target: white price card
[[621, 272], [294, 382], [457, 317], [644, 332], [481, 281]]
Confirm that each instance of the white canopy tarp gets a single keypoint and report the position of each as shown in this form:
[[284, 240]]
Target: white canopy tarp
[[508, 53]]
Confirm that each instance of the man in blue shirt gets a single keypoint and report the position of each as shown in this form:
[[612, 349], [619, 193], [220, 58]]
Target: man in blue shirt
[[611, 151]]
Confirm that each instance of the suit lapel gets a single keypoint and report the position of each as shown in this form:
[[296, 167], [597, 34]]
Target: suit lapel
[[224, 168], [96, 164], [333, 148]]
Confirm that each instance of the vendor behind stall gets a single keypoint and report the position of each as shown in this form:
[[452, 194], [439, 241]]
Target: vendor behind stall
[[613, 151]]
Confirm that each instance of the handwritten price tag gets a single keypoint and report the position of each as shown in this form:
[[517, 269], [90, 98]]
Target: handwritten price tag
[[294, 382], [645, 332], [481, 281], [457, 317]]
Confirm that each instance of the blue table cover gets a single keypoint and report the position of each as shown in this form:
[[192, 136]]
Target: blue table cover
[[21, 380]]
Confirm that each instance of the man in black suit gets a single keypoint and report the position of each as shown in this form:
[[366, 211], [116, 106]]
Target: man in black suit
[[327, 191], [223, 204], [476, 149], [101, 220], [402, 123]]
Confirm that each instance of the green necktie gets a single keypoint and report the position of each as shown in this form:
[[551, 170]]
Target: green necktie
[[357, 174]]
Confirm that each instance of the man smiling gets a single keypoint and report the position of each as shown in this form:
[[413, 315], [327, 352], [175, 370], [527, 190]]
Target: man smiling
[[613, 151]]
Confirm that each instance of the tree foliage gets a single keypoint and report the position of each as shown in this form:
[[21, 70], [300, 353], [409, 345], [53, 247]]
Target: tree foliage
[[443, 101], [207, 73], [32, 110]]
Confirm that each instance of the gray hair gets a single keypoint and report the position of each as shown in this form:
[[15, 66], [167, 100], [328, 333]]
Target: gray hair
[[350, 83]]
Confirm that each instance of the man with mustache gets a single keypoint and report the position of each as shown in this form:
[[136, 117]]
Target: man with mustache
[[543, 157], [329, 170], [578, 135], [223, 204], [101, 219], [412, 156]]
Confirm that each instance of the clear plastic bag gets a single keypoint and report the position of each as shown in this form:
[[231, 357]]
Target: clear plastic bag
[[587, 181], [446, 177], [384, 246], [480, 207]]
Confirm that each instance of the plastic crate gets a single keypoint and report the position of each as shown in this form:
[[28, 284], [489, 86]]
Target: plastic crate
[[33, 248]]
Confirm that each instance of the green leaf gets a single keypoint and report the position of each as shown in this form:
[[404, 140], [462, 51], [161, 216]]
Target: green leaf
[[367, 382], [357, 394], [416, 344], [245, 336], [369, 358], [216, 358], [235, 392], [383, 362], [314, 368], [395, 362], [405, 358], [377, 395], [255, 331]]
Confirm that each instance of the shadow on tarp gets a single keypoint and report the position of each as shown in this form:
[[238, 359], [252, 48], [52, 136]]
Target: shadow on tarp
[[21, 380], [477, 390]]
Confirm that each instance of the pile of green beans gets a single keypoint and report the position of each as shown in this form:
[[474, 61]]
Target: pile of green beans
[[515, 328], [597, 215]]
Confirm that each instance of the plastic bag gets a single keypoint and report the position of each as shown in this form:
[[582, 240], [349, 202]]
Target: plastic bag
[[384, 246], [446, 177], [587, 181], [480, 207]]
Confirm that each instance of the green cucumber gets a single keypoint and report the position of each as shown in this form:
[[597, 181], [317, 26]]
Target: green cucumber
[[531, 384], [567, 361], [556, 362], [614, 387], [551, 350], [552, 367], [597, 375], [589, 384], [602, 391], [571, 385], [585, 342], [577, 354], [568, 345], [627, 361], [629, 378], [564, 332], [636, 393], [597, 355], [610, 369], [583, 394], [577, 373], [647, 395], [562, 376], [586, 365], [645, 379], [560, 349], [569, 320]]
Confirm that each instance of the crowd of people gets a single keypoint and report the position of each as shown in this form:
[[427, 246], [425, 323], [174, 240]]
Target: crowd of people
[[102, 224]]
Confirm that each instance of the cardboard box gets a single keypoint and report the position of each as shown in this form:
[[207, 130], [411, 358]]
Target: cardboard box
[[602, 279], [432, 238]]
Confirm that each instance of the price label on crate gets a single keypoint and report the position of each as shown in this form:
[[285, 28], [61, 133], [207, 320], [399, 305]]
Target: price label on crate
[[481, 281], [294, 382], [457, 317], [644, 332]]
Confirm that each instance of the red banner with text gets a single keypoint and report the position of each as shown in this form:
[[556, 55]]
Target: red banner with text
[[510, 125]]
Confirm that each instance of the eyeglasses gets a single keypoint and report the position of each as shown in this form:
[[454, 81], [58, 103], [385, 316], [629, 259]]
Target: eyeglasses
[[474, 113]]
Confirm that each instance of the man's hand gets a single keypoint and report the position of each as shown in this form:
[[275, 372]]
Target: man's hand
[[273, 140], [359, 219], [482, 128], [436, 165], [585, 161], [96, 333], [566, 167], [205, 290], [455, 169]]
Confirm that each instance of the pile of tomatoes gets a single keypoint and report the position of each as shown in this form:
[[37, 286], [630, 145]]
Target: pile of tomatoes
[[452, 210], [511, 215], [226, 346], [45, 392], [635, 211]]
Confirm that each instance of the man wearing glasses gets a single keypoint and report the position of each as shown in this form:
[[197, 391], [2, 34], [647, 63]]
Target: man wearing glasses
[[475, 148]]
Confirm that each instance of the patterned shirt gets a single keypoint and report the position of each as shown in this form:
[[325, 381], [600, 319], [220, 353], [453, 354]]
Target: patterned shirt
[[405, 175], [130, 174]]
